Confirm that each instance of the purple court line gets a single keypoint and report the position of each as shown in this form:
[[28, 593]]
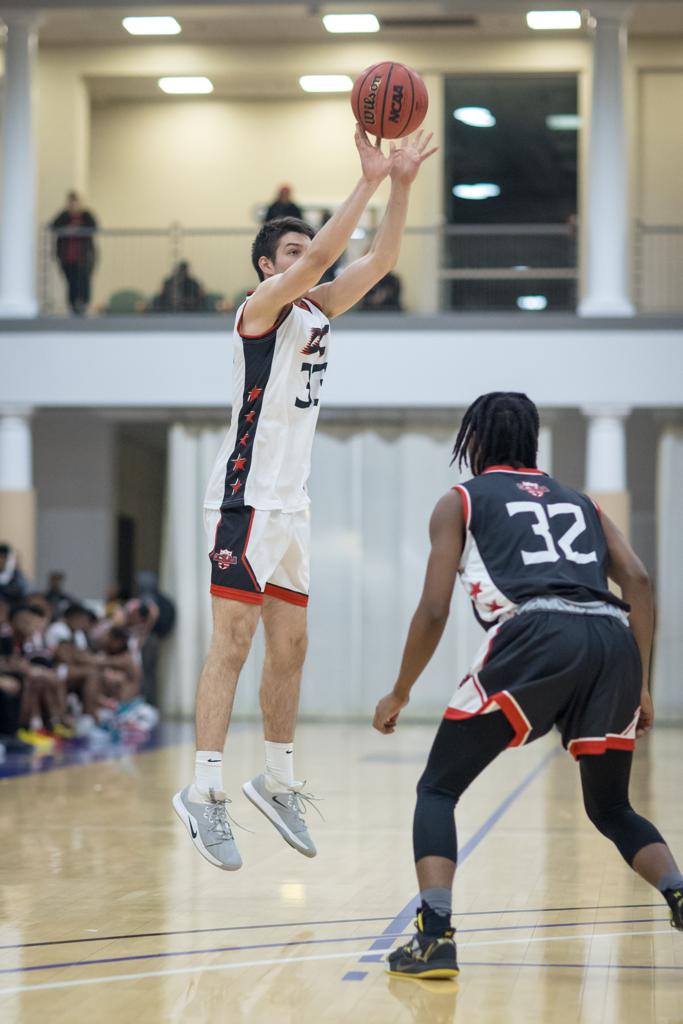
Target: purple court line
[[311, 924], [310, 942], [472, 843]]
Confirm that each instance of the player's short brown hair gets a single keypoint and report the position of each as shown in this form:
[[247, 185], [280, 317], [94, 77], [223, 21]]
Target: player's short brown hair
[[266, 241]]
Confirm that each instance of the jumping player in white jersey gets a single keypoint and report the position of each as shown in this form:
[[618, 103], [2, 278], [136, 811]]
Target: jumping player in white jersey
[[256, 506], [534, 557]]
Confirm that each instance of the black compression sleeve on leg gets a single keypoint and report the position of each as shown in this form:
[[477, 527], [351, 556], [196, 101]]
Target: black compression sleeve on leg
[[605, 778], [462, 749]]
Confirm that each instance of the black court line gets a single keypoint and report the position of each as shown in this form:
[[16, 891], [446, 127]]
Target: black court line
[[312, 924], [306, 942]]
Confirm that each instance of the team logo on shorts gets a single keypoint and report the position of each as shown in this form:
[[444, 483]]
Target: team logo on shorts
[[223, 558], [535, 490]]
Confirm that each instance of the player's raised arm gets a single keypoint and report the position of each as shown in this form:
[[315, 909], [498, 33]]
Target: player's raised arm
[[629, 573], [306, 265], [447, 534], [360, 276]]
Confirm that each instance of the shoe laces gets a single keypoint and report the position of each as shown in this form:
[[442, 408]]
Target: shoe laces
[[298, 802], [219, 818]]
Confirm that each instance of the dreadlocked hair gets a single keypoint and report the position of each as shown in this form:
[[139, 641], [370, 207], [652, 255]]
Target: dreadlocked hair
[[500, 428]]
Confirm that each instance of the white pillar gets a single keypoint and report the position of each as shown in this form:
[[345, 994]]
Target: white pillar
[[606, 479], [544, 458], [17, 497], [606, 242], [606, 448], [666, 686], [18, 170], [16, 461]]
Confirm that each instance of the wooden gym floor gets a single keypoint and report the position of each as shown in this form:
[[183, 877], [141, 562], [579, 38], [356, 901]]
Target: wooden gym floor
[[109, 914]]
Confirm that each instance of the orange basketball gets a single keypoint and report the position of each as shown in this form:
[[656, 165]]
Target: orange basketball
[[389, 100]]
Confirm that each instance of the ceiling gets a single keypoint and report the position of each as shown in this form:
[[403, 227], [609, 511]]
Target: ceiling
[[253, 21]]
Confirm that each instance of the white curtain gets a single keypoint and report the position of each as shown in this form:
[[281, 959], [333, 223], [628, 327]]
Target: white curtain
[[372, 489], [667, 687]]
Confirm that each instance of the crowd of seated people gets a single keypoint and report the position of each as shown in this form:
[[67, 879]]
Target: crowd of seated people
[[69, 675]]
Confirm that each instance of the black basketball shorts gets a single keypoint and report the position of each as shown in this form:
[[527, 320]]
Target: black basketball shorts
[[543, 668]]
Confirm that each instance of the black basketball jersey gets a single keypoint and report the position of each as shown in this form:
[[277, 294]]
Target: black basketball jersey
[[530, 536]]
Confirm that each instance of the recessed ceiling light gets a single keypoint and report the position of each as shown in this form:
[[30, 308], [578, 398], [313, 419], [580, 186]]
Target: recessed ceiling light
[[480, 190], [563, 122], [186, 86], [532, 303], [476, 117], [326, 83], [162, 26], [546, 20], [351, 23]]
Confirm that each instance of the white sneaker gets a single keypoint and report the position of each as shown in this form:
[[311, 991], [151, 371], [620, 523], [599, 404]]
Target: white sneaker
[[285, 810], [208, 823]]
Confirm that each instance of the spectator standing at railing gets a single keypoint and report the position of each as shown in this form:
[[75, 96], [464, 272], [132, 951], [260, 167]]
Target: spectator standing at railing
[[283, 205], [74, 228]]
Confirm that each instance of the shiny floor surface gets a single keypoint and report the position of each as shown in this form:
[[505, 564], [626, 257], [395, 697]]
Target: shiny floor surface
[[108, 913]]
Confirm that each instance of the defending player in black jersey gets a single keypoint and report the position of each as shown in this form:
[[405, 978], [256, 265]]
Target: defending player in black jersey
[[561, 649]]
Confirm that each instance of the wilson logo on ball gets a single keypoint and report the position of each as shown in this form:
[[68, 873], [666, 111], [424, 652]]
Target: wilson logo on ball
[[389, 100]]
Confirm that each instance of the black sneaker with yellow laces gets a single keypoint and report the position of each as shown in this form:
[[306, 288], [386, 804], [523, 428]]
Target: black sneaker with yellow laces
[[426, 955], [674, 897]]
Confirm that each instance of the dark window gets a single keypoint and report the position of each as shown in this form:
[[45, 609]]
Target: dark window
[[535, 167]]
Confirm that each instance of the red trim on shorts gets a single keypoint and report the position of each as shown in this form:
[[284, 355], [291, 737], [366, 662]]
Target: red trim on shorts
[[284, 594], [510, 708], [257, 337], [236, 595], [577, 748], [466, 501], [245, 563]]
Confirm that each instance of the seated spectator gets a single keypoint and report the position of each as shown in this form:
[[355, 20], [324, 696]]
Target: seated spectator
[[283, 205], [68, 643], [385, 295], [121, 665], [180, 293], [55, 592], [44, 693], [13, 583]]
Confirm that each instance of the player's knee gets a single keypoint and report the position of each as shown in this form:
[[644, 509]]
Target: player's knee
[[608, 818], [429, 788], [287, 653]]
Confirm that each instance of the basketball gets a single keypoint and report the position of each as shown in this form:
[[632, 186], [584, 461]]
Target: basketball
[[389, 100]]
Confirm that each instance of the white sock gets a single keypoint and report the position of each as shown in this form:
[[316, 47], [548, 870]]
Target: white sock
[[279, 766], [208, 771]]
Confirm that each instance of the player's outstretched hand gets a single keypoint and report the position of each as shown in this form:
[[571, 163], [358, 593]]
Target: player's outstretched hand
[[647, 714], [407, 158], [387, 712], [374, 163]]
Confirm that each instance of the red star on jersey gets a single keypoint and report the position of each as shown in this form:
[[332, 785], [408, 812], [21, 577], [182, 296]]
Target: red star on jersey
[[236, 486], [251, 416], [475, 590], [239, 463], [493, 606], [254, 394], [243, 440]]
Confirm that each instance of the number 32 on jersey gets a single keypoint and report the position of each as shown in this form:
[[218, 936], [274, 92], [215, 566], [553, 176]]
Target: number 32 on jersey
[[541, 527]]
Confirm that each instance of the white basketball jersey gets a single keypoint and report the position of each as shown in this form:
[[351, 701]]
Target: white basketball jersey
[[265, 459]]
